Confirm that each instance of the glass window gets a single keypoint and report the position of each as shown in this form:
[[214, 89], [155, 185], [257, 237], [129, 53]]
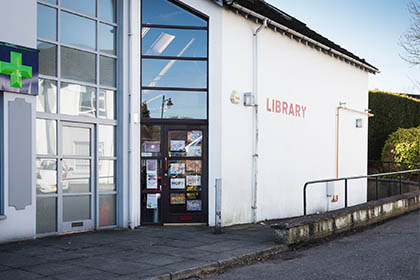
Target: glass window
[[107, 10], [78, 65], [76, 141], [46, 131], [174, 104], [75, 173], [47, 22], [78, 31], [150, 140], [47, 59], [46, 176], [174, 42], [46, 101], [107, 211], [76, 208], [87, 7], [51, 1], [106, 104], [77, 100], [174, 73], [165, 12], [106, 171], [107, 71], [46, 214], [107, 38], [106, 141]]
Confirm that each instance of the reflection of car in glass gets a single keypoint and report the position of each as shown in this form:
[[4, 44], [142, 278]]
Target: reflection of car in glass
[[46, 176]]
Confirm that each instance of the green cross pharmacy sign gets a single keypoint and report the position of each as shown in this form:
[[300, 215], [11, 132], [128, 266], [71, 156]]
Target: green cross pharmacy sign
[[18, 69]]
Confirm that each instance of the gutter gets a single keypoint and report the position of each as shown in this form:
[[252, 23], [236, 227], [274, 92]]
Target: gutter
[[303, 39]]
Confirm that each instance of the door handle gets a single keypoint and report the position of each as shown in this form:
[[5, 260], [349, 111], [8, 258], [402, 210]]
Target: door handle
[[166, 165]]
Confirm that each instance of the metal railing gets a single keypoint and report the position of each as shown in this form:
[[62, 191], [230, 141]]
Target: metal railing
[[346, 179]]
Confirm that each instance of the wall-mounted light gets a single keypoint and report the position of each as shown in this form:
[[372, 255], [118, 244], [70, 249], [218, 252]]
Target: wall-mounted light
[[235, 97], [249, 99], [359, 123]]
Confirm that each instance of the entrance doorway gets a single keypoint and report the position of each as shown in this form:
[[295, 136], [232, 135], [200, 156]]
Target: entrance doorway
[[174, 177], [75, 173]]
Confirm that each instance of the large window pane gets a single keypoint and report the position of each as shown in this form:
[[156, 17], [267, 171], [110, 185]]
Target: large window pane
[[76, 141], [46, 132], [46, 176], [106, 173], [76, 208], [46, 214], [77, 100], [78, 31], [174, 73], [174, 42], [75, 175], [165, 12], [107, 10], [78, 65], [46, 101], [107, 71], [87, 7], [174, 104], [107, 210], [51, 1], [106, 104], [47, 22], [107, 38], [106, 141], [47, 59]]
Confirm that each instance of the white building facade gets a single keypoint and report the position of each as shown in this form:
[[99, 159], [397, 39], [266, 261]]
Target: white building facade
[[144, 104]]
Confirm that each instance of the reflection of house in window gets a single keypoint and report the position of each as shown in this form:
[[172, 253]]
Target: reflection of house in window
[[87, 102], [102, 104], [81, 148]]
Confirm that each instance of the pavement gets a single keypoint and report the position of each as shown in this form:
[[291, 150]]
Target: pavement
[[389, 251], [172, 252]]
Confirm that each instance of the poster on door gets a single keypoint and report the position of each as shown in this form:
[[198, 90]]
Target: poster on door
[[177, 168], [193, 166], [193, 205], [151, 181], [193, 180], [194, 136], [177, 145], [177, 183], [152, 201], [177, 198]]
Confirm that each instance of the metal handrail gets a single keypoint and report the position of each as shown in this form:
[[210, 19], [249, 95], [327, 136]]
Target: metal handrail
[[345, 179]]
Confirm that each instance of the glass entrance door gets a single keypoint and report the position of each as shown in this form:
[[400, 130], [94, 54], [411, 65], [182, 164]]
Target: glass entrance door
[[75, 173], [174, 174]]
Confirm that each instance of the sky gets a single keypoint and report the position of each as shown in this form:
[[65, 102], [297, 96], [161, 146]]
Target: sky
[[371, 29]]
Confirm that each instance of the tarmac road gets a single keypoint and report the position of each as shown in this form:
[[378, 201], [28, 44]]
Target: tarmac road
[[388, 251]]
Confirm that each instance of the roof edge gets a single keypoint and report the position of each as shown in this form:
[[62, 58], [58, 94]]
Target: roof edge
[[302, 38]]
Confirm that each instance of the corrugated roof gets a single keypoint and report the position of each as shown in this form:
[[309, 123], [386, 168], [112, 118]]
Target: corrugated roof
[[273, 13]]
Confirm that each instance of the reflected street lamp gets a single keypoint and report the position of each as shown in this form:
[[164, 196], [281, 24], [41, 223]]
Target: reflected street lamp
[[167, 102]]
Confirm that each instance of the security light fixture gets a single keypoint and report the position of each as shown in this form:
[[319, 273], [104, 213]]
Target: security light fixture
[[359, 123], [249, 99]]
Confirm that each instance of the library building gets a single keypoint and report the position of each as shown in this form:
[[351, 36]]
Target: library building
[[131, 113]]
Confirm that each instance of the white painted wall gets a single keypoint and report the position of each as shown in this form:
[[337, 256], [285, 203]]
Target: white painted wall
[[292, 150], [19, 224]]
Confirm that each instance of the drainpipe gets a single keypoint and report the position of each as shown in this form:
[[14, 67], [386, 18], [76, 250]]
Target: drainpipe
[[255, 123], [342, 107]]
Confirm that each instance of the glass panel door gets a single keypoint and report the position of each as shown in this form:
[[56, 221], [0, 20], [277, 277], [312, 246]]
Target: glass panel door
[[76, 169], [174, 174]]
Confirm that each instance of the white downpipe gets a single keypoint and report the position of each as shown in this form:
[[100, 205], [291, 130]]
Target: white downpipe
[[130, 120], [255, 123]]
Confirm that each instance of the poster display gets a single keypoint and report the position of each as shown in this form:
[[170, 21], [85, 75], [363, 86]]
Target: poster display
[[152, 201], [177, 146], [194, 151], [151, 166], [193, 180], [194, 135], [177, 169], [177, 198], [177, 183], [193, 188], [193, 205], [151, 181], [194, 195], [151, 146], [194, 165]]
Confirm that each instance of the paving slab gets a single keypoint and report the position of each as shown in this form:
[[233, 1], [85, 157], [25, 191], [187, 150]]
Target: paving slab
[[143, 253]]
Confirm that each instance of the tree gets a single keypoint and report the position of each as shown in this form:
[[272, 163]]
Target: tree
[[410, 41]]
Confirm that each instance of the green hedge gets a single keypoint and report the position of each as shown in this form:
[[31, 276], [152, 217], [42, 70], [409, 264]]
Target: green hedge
[[403, 146], [392, 111]]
